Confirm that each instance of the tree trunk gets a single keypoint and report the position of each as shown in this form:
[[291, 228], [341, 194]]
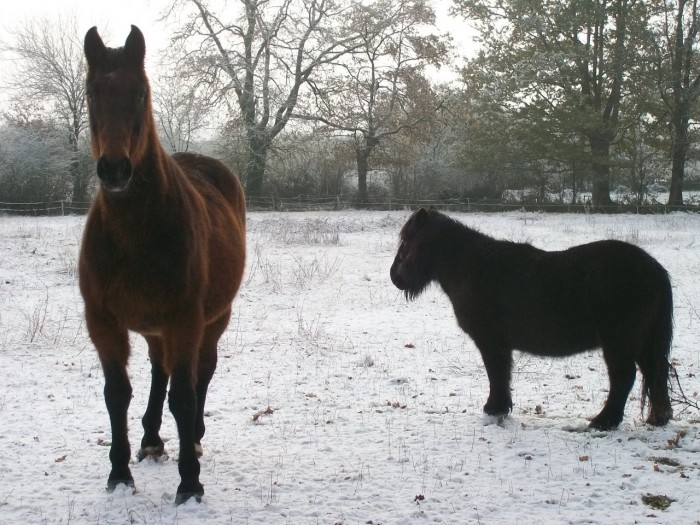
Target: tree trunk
[[80, 180], [255, 169], [600, 167], [362, 168], [363, 150], [678, 155], [80, 186]]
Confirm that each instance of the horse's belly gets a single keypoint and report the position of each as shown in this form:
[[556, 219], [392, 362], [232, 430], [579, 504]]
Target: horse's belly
[[555, 341]]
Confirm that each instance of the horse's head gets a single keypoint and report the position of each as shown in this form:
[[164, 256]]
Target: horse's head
[[411, 270], [119, 107]]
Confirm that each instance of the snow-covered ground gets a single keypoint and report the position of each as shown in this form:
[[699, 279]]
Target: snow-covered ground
[[335, 401]]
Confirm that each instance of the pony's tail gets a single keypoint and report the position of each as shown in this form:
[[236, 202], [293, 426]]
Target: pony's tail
[[654, 361]]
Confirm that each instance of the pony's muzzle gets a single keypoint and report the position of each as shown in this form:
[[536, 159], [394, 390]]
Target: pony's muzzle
[[396, 278], [114, 174]]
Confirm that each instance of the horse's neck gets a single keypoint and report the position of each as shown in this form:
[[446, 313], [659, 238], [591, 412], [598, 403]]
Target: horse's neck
[[153, 193], [460, 254]]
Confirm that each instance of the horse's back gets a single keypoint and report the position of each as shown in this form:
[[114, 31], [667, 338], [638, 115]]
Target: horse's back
[[207, 173], [617, 267], [627, 287], [564, 302]]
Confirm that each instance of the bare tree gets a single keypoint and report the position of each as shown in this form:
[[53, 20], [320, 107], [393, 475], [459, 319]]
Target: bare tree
[[264, 52], [50, 76], [380, 89], [181, 111]]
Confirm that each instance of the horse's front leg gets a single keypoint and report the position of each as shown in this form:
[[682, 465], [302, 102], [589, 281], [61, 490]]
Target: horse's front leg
[[152, 444], [498, 362], [112, 346], [181, 350]]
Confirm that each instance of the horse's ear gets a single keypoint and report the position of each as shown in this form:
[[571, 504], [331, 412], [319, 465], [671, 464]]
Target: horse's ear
[[421, 217], [135, 47], [94, 47]]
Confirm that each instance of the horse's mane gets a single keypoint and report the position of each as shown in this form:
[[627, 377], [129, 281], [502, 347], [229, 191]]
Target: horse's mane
[[442, 221]]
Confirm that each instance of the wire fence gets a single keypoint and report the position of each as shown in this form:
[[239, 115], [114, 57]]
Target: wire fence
[[50, 208], [338, 203]]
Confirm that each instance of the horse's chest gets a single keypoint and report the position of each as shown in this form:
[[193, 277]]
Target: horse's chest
[[146, 283]]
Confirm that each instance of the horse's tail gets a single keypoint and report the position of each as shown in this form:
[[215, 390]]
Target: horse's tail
[[654, 359]]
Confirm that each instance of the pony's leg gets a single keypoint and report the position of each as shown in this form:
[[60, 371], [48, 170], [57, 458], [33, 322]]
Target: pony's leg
[[656, 383], [207, 365], [112, 346], [152, 444], [182, 342], [498, 362], [621, 372]]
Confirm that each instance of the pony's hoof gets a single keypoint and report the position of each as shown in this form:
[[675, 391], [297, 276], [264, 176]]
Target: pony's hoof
[[659, 419], [183, 495], [499, 411], [603, 423], [112, 484]]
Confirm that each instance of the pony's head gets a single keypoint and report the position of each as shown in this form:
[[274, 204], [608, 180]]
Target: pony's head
[[119, 107], [412, 270]]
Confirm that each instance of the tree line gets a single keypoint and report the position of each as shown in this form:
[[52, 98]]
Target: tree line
[[563, 101]]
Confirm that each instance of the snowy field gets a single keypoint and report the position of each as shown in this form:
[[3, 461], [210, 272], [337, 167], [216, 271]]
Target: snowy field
[[335, 401]]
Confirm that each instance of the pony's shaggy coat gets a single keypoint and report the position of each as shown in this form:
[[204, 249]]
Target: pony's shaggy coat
[[509, 296]]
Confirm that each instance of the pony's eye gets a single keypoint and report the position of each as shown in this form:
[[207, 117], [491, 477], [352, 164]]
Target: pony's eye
[[403, 248]]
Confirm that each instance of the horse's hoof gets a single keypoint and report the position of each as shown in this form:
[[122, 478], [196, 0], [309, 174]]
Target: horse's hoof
[[151, 452], [182, 497], [112, 484], [659, 419], [497, 411], [603, 424]]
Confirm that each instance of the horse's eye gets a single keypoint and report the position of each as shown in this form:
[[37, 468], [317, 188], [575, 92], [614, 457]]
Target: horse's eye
[[403, 248]]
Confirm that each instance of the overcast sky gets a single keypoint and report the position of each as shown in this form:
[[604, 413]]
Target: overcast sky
[[114, 18]]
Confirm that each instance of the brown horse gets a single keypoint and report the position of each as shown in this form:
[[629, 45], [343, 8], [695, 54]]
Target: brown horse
[[509, 296], [162, 255]]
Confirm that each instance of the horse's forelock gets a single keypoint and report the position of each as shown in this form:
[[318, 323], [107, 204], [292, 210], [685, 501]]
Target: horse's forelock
[[411, 223]]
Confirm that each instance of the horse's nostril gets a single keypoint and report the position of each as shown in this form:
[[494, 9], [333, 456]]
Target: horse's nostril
[[114, 174], [110, 168]]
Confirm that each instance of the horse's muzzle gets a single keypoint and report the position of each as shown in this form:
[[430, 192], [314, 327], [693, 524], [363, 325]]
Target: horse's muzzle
[[396, 277], [114, 174]]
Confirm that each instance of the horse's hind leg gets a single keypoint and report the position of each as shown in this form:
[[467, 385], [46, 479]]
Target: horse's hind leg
[[621, 372], [208, 357], [656, 386], [152, 444]]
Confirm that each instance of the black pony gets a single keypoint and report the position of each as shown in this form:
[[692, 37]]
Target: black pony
[[509, 296]]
